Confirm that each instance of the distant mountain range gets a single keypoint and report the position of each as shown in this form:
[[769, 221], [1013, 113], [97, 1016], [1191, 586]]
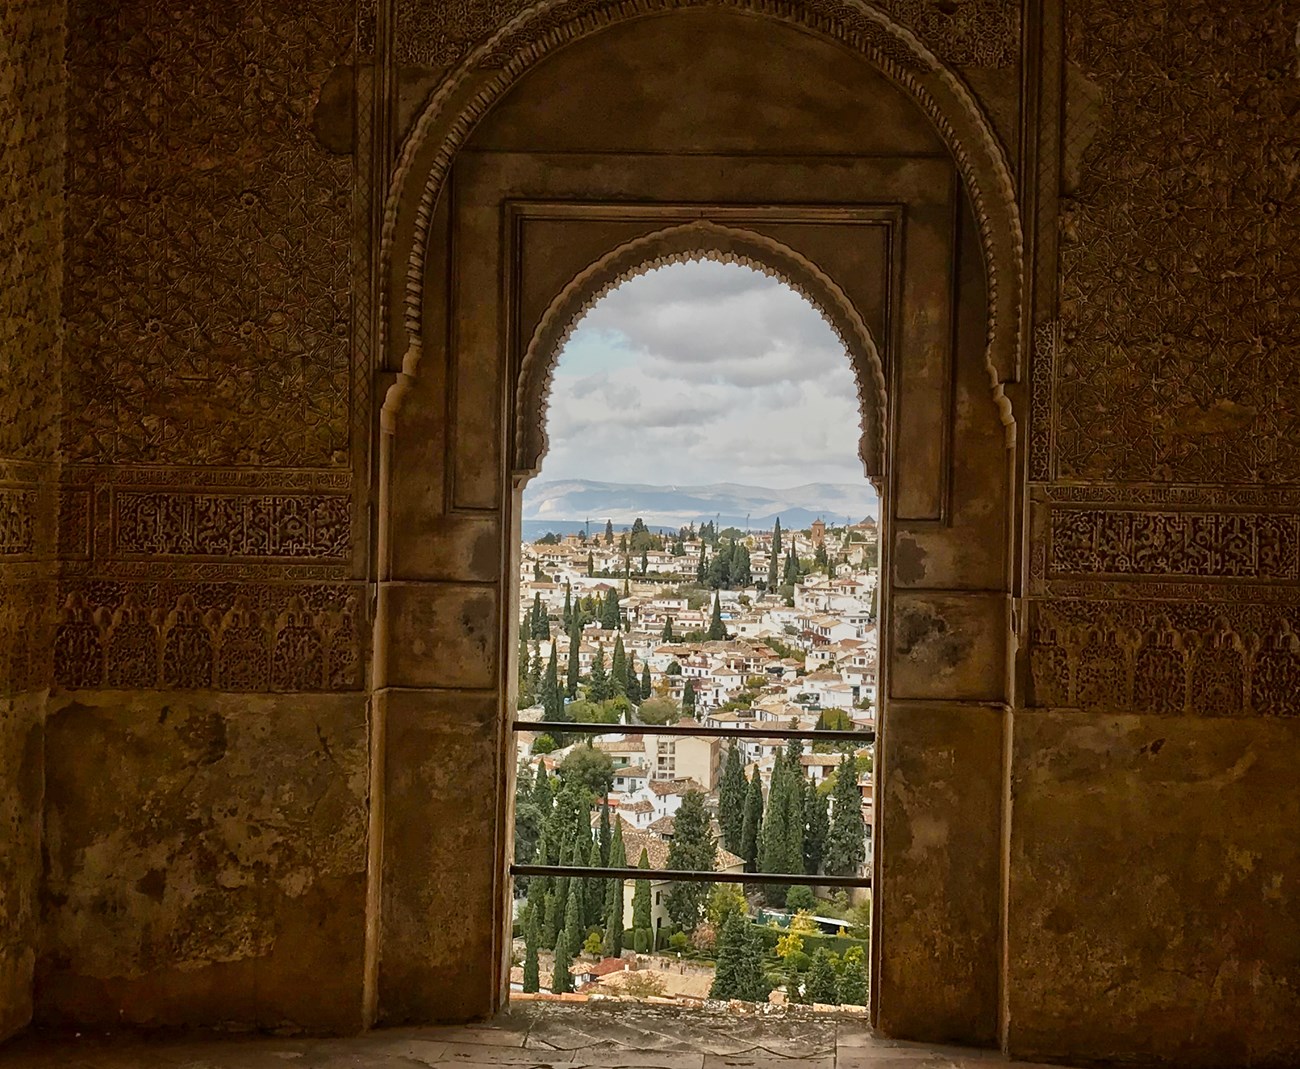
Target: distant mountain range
[[565, 506]]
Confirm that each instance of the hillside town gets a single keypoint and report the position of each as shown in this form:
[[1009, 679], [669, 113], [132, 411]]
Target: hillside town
[[695, 627]]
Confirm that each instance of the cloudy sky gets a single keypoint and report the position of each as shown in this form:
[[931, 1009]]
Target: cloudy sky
[[702, 373]]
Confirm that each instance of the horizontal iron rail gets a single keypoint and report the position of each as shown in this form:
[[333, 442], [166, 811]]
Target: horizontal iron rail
[[688, 876], [584, 728]]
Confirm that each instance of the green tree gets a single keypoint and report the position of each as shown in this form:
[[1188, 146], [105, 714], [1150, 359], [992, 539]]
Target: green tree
[[817, 828], [541, 625], [561, 977], [774, 557], [574, 667], [574, 927], [552, 697], [739, 972], [599, 687], [724, 900], [693, 849], [525, 694], [645, 562], [532, 979], [642, 924], [717, 630], [659, 711], [688, 698], [566, 617], [667, 634], [593, 891], [741, 571], [846, 844], [613, 945], [751, 830], [609, 618], [589, 768], [800, 898], [645, 688], [618, 667], [603, 837], [822, 987], [591, 564], [609, 532], [702, 568], [731, 800], [853, 979]]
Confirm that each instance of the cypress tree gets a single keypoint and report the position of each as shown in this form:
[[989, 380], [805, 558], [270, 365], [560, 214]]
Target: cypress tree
[[692, 849], [751, 831], [701, 569], [538, 886], [646, 690], [791, 575], [574, 667], [541, 795], [541, 626], [561, 977], [566, 617], [731, 800], [642, 922], [793, 859], [845, 845], [688, 699], [817, 828], [599, 688], [741, 572], [609, 618], [613, 945], [525, 695], [535, 672], [532, 980], [552, 697], [822, 987], [634, 694], [593, 891], [667, 634], [774, 558], [717, 631], [772, 840], [574, 928], [591, 564], [645, 562], [609, 532], [618, 667], [604, 838], [739, 974]]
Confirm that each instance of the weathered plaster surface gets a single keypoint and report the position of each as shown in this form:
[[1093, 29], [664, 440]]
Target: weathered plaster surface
[[939, 827], [20, 854], [205, 860], [1155, 889]]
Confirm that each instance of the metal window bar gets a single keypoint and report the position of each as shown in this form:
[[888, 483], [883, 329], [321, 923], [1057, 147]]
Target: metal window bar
[[683, 875]]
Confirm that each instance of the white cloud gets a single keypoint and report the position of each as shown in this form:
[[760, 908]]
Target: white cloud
[[699, 373]]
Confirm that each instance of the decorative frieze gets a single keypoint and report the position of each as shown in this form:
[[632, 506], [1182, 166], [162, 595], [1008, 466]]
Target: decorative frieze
[[1245, 546], [1166, 658], [229, 636], [291, 526]]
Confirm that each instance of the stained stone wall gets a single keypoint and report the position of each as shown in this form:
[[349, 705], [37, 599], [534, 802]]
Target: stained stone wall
[[207, 753], [1165, 488], [188, 344], [31, 220]]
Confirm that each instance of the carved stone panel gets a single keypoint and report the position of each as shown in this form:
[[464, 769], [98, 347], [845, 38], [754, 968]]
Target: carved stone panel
[[1180, 282]]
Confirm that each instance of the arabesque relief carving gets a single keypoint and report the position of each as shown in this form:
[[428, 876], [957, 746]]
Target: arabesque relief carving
[[975, 33], [316, 526], [1169, 658], [1179, 275], [227, 636], [1256, 546], [208, 237]]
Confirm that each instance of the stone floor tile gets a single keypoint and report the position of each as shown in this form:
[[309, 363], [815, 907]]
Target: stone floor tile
[[614, 1058], [764, 1059], [487, 1054]]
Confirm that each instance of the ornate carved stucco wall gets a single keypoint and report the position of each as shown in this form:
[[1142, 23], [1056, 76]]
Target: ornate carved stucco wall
[[207, 746], [1165, 487], [31, 220]]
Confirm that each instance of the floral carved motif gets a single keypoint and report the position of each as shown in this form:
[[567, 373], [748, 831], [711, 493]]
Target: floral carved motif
[[268, 638], [316, 526], [17, 522], [1209, 545], [1166, 658], [207, 298], [1180, 288]]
